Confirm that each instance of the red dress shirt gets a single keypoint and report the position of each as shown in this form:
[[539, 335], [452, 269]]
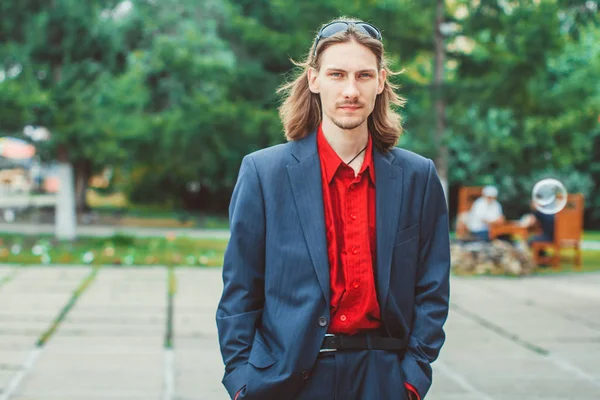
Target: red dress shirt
[[349, 209]]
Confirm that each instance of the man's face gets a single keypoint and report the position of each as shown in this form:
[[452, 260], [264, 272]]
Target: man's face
[[348, 83]]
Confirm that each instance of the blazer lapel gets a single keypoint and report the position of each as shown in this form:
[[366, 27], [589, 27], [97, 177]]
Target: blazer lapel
[[305, 178], [388, 187]]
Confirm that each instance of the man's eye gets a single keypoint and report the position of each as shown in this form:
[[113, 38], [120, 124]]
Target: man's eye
[[335, 74], [366, 75]]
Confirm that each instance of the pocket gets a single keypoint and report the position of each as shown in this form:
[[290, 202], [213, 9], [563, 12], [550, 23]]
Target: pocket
[[260, 357], [407, 234]]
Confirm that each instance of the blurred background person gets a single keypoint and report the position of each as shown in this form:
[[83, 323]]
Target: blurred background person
[[542, 226], [486, 210]]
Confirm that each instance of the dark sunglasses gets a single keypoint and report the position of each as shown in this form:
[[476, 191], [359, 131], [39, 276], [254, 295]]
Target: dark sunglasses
[[342, 26]]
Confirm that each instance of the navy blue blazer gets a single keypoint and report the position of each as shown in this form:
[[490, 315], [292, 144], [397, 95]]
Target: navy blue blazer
[[274, 310]]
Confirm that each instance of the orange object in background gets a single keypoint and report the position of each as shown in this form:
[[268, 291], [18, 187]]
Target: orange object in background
[[16, 149], [51, 184]]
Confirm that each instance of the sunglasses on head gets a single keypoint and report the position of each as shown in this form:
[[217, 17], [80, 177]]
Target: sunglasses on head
[[342, 26]]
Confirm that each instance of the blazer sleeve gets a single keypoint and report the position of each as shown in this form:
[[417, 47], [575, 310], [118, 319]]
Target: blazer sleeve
[[432, 287], [241, 304]]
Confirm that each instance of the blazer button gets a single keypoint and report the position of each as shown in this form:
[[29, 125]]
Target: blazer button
[[305, 375], [322, 321]]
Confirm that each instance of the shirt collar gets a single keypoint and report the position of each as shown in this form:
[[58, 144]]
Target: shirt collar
[[331, 161]]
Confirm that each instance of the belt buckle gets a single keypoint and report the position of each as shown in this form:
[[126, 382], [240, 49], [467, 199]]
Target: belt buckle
[[328, 350]]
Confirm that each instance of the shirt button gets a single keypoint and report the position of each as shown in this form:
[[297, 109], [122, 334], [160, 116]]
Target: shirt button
[[356, 285], [352, 186], [355, 250], [343, 318], [304, 375], [322, 321], [353, 216]]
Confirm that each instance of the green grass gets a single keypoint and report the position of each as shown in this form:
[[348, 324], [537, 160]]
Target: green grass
[[591, 235], [147, 214], [590, 262], [130, 250], [118, 249]]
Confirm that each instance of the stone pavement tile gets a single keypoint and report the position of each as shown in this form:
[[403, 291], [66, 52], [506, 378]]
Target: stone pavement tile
[[37, 292], [106, 348], [532, 368], [198, 369], [13, 325], [90, 395], [47, 275], [30, 303], [14, 341], [467, 339], [11, 359], [124, 331], [531, 324], [198, 364], [584, 356], [516, 388], [5, 376], [116, 312], [57, 372], [543, 397], [195, 303], [209, 393], [539, 293], [81, 342], [443, 386], [72, 350], [454, 396], [33, 303], [6, 270]]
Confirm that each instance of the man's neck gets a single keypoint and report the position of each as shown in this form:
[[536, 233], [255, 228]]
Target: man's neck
[[346, 143]]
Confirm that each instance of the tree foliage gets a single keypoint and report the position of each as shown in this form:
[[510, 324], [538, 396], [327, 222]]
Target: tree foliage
[[174, 92]]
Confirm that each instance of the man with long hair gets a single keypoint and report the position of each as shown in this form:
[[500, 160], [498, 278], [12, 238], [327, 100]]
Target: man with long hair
[[336, 275]]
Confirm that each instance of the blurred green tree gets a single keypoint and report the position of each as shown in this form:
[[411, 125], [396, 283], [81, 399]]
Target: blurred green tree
[[517, 108], [73, 78]]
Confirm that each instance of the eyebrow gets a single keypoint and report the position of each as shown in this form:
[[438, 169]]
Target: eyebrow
[[368, 70]]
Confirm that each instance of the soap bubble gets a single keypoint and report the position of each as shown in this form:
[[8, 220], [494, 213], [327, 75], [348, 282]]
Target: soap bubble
[[549, 196]]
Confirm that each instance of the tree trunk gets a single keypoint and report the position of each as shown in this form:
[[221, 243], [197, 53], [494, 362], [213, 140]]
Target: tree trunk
[[83, 171], [441, 160]]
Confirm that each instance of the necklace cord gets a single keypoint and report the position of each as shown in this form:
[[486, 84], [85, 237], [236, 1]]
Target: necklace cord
[[354, 158]]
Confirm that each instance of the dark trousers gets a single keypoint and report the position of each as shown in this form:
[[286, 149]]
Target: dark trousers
[[355, 375]]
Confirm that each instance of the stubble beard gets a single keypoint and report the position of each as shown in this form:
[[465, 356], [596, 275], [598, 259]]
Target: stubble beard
[[349, 124]]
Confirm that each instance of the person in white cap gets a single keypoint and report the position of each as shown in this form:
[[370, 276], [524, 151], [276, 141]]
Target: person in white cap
[[486, 210]]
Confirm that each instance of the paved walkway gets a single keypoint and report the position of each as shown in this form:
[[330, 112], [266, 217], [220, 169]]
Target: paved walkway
[[108, 230], [105, 334]]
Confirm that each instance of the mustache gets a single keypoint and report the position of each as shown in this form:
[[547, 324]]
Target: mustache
[[353, 104]]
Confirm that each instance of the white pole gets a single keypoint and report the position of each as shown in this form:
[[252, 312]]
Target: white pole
[[66, 219]]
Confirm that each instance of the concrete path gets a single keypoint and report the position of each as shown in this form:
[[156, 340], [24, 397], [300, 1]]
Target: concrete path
[[107, 231], [102, 334]]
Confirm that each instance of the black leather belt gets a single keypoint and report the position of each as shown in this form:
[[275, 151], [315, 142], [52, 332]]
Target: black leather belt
[[361, 342]]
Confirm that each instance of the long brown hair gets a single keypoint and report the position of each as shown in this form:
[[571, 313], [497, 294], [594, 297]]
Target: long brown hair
[[301, 112]]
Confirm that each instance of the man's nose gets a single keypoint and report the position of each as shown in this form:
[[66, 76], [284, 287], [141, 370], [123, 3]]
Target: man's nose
[[350, 90]]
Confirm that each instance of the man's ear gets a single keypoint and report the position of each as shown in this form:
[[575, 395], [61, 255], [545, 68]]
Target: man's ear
[[313, 83], [382, 78]]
